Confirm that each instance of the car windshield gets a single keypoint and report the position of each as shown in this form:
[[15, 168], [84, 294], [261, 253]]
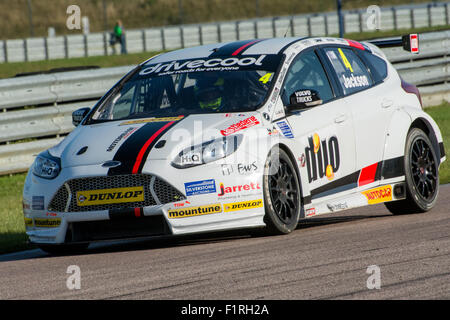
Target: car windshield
[[211, 85]]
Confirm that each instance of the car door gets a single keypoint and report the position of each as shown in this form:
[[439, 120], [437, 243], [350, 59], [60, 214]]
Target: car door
[[326, 130], [370, 107]]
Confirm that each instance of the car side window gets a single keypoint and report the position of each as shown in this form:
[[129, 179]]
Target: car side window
[[350, 70], [306, 72]]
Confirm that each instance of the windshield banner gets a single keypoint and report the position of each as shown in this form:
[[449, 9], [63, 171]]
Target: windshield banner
[[267, 62]]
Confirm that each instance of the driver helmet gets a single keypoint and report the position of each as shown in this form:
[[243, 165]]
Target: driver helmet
[[209, 92]]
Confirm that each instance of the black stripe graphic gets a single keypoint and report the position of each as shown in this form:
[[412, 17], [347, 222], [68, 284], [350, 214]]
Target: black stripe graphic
[[230, 48], [129, 150], [387, 169]]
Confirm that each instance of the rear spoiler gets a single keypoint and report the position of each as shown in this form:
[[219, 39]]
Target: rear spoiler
[[409, 42]]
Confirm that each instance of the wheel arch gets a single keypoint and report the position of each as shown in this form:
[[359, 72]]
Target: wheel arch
[[425, 126], [291, 156]]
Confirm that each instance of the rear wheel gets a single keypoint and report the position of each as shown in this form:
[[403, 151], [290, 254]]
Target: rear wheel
[[281, 193], [421, 173], [64, 249]]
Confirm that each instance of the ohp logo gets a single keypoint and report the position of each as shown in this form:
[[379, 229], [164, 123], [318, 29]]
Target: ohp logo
[[322, 157]]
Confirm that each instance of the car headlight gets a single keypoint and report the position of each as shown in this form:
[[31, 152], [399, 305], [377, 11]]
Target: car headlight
[[207, 152], [46, 166]]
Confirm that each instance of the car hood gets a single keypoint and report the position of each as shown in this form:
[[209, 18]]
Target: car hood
[[145, 139]]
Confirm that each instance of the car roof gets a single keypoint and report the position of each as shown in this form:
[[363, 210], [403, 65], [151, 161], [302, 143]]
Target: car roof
[[234, 48]]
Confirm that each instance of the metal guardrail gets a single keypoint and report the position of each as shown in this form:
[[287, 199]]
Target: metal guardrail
[[173, 37], [39, 107]]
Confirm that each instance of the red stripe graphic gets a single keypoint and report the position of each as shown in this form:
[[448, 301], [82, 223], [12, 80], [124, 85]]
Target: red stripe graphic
[[243, 47], [355, 44], [137, 212], [367, 175], [146, 145]]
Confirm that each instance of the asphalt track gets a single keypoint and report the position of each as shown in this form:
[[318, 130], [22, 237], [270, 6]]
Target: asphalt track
[[325, 258]]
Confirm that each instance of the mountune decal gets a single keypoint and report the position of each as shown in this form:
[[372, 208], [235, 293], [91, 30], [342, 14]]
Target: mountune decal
[[47, 223], [236, 206], [200, 187], [123, 135], [322, 157], [378, 195], [195, 211], [109, 196], [243, 124]]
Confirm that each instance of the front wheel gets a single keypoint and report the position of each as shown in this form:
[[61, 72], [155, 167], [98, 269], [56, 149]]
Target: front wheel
[[421, 174], [281, 193]]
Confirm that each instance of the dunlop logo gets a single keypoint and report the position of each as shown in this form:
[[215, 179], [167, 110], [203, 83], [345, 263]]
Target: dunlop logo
[[109, 196], [378, 195], [195, 211], [243, 205]]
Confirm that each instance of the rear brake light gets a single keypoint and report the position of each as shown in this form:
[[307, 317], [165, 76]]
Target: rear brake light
[[410, 88]]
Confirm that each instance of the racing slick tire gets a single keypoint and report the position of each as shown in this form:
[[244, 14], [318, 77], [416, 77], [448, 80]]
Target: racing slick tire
[[421, 174], [282, 197], [64, 249]]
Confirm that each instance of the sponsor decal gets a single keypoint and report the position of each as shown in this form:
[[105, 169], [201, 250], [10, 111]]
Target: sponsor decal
[[284, 127], [310, 212], [227, 169], [124, 136], [236, 206], [195, 211], [181, 204], [202, 65], [244, 124], [51, 214], [28, 222], [247, 168], [378, 195], [244, 187], [37, 203], [148, 120], [355, 81], [303, 96], [337, 207], [109, 196], [200, 187], [191, 158], [275, 93], [302, 160], [47, 223], [272, 131], [322, 157]]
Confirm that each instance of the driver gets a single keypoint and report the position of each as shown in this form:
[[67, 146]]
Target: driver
[[209, 92]]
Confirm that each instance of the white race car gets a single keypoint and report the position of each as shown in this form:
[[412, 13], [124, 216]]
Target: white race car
[[246, 134]]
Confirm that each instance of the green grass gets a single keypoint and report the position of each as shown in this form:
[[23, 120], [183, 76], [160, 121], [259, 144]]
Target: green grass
[[12, 229], [8, 70], [441, 114]]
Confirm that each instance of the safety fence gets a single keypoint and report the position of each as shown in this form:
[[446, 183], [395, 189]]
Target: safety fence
[[173, 37], [35, 111]]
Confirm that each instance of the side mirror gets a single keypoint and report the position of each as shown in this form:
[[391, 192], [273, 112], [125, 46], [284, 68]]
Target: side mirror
[[302, 99], [78, 115]]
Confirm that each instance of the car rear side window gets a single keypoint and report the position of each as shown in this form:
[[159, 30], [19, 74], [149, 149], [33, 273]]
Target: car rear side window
[[350, 70], [377, 66]]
